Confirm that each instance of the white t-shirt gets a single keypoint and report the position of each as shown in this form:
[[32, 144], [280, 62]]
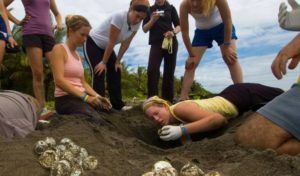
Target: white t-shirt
[[100, 35], [208, 22]]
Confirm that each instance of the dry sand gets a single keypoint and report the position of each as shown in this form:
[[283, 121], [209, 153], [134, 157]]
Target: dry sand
[[128, 145]]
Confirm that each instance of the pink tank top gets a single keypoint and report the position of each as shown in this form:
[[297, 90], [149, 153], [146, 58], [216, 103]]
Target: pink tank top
[[40, 20], [73, 72]]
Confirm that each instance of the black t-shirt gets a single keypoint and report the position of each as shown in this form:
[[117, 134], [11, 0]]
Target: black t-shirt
[[163, 24]]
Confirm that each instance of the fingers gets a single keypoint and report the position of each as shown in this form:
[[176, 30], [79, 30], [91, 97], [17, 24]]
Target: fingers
[[294, 62], [277, 66], [99, 69], [165, 131], [282, 13], [294, 4]]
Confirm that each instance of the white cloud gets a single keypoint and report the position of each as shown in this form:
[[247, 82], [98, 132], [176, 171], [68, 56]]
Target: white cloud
[[255, 21]]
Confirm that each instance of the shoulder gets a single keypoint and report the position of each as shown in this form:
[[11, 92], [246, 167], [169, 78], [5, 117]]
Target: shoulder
[[185, 107], [184, 6], [59, 49]]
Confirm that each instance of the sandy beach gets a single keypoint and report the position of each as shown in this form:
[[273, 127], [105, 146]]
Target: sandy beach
[[127, 144]]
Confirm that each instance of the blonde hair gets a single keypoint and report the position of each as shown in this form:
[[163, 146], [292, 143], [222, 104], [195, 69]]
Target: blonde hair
[[207, 6], [75, 22], [155, 100]]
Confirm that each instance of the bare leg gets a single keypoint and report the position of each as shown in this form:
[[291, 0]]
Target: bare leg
[[259, 132], [189, 75], [234, 68], [2, 51], [35, 56]]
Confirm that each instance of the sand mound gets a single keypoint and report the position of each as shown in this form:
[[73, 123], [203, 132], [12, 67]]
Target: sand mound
[[127, 144]]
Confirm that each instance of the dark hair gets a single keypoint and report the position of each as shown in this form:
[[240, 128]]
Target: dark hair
[[140, 5], [140, 8]]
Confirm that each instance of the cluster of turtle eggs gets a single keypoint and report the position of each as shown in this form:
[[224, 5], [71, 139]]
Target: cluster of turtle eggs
[[64, 158], [164, 168]]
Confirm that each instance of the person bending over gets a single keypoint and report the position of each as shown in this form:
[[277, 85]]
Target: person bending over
[[213, 22]]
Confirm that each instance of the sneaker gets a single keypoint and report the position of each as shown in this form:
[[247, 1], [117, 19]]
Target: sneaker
[[126, 108], [46, 114]]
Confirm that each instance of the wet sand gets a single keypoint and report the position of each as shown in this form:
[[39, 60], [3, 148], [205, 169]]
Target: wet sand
[[128, 145]]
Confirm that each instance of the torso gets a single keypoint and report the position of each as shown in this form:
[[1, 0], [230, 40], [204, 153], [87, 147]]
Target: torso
[[100, 35], [73, 72], [40, 20]]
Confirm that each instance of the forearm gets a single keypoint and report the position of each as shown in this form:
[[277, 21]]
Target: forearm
[[58, 19], [122, 50], [188, 44], [88, 89], [227, 30], [107, 52], [5, 18], [206, 124], [177, 29], [148, 26], [12, 18]]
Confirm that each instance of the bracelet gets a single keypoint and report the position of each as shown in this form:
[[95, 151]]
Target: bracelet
[[8, 36], [186, 136], [226, 43], [84, 97], [102, 62]]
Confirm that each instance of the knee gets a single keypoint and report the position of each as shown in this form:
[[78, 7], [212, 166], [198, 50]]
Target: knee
[[241, 136]]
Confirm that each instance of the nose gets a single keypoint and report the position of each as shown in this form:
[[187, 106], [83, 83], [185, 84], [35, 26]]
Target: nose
[[156, 118]]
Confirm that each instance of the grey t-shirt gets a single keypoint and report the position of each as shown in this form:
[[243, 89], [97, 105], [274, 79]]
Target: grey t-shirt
[[18, 115], [100, 35]]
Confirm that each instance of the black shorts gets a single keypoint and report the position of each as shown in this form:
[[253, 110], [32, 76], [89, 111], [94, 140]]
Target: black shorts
[[246, 95], [42, 41]]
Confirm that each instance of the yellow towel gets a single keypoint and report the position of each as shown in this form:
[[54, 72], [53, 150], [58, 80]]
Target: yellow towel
[[168, 44]]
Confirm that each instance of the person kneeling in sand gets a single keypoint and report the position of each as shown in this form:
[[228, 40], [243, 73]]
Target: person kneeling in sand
[[208, 114], [19, 113], [73, 95], [277, 124]]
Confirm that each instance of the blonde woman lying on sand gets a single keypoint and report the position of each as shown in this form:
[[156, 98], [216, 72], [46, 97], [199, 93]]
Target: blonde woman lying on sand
[[208, 114]]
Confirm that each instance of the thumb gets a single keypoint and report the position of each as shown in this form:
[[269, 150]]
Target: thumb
[[294, 4]]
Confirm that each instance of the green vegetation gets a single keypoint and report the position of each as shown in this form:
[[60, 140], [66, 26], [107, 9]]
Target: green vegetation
[[17, 75]]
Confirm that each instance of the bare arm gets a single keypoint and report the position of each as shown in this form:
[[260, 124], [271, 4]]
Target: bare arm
[[9, 15], [56, 13], [199, 120], [226, 17], [289, 52], [113, 36], [154, 17], [124, 46], [177, 29], [184, 23]]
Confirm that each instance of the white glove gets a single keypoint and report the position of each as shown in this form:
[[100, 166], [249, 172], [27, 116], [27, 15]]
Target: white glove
[[289, 20], [170, 132]]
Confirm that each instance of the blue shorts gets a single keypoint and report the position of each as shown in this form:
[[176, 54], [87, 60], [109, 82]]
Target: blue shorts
[[284, 111], [205, 37], [2, 29]]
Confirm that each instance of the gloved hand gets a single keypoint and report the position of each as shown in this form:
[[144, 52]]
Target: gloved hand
[[289, 20], [170, 132]]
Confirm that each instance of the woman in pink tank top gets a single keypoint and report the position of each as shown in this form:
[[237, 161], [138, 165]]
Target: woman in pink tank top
[[73, 95]]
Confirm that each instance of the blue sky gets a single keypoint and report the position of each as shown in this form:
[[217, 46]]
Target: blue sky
[[260, 39]]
